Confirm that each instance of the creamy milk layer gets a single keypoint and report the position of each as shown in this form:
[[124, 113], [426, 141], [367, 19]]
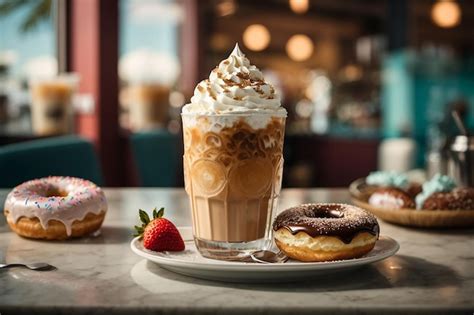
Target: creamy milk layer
[[235, 90]]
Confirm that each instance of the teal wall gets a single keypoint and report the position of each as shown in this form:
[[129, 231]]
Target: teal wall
[[397, 95], [416, 90]]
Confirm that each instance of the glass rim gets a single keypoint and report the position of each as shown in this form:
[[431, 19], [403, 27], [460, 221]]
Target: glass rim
[[65, 77], [236, 114]]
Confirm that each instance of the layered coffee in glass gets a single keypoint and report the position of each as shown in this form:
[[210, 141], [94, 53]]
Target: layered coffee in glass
[[233, 142]]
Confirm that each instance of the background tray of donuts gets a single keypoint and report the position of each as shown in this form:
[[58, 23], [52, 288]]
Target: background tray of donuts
[[436, 203]]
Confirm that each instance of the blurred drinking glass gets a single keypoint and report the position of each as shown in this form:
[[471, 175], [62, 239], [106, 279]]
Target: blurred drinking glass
[[148, 105], [51, 104]]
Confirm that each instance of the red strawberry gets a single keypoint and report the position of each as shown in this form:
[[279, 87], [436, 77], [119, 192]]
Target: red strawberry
[[159, 234]]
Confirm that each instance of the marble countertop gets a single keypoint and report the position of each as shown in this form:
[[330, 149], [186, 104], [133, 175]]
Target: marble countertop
[[432, 273]]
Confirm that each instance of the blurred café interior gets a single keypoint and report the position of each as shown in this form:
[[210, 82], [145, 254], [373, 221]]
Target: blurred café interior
[[368, 84]]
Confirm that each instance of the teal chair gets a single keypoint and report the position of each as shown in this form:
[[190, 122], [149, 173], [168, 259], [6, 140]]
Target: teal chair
[[63, 156], [157, 155]]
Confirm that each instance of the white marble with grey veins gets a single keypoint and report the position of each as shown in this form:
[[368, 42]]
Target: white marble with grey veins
[[432, 273]]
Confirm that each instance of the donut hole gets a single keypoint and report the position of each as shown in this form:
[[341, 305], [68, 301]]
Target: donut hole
[[325, 214], [55, 192]]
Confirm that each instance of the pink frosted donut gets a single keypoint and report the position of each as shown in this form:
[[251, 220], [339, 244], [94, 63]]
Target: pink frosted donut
[[55, 207]]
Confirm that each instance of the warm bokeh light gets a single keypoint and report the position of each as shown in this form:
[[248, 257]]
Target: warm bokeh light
[[299, 47], [256, 37], [304, 108], [446, 13], [220, 41], [299, 6], [226, 7], [352, 72], [177, 99]]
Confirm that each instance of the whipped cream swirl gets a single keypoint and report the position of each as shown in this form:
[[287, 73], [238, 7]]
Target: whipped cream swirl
[[234, 86]]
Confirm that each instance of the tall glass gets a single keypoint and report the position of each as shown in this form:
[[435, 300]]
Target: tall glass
[[148, 105], [233, 170], [51, 104]]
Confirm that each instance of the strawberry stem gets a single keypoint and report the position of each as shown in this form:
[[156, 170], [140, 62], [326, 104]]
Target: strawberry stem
[[145, 219]]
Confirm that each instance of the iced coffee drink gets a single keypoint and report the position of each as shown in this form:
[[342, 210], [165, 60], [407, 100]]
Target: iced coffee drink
[[148, 105], [51, 104], [233, 142]]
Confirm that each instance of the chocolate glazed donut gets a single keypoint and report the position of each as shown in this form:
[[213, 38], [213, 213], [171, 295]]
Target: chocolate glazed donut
[[461, 198], [322, 232]]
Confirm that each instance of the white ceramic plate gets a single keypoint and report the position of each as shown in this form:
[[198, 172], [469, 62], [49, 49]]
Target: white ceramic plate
[[191, 263]]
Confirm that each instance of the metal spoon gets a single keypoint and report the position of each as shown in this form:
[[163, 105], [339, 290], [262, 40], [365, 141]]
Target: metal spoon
[[268, 257], [459, 123], [32, 266]]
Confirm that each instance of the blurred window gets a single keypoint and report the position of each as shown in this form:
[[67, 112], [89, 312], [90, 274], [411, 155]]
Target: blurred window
[[27, 48], [149, 65]]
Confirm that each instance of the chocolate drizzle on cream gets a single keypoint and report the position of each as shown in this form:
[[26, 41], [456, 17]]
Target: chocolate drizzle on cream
[[338, 220]]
